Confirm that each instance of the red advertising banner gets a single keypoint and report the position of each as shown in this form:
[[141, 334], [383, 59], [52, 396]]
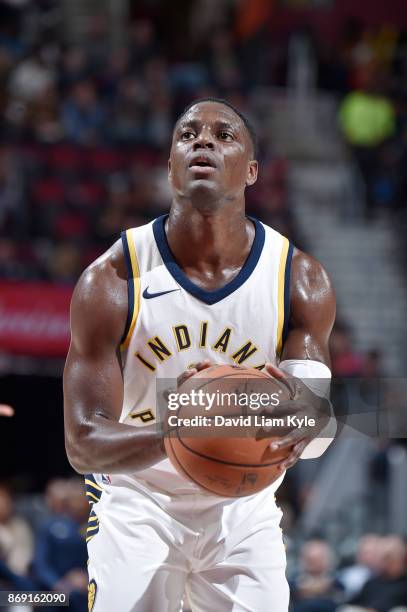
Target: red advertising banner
[[34, 318]]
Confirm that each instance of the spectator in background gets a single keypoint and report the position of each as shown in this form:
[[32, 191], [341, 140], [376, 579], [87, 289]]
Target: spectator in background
[[43, 118], [129, 110], [65, 264], [11, 203], [222, 61], [74, 66], [315, 588], [208, 16], [388, 590], [367, 119], [160, 120], [83, 115], [16, 546], [6, 410], [346, 361], [142, 43], [57, 496], [251, 19], [31, 78], [60, 549], [372, 364], [367, 564]]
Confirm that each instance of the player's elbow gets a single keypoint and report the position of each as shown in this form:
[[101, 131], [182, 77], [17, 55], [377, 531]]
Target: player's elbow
[[77, 464], [77, 449]]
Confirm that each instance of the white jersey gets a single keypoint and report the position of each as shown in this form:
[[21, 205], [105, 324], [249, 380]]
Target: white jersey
[[172, 323], [223, 551]]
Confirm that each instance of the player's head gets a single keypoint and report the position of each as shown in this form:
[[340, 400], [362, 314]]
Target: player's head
[[213, 152]]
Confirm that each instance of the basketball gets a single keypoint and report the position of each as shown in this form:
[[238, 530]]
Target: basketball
[[227, 461]]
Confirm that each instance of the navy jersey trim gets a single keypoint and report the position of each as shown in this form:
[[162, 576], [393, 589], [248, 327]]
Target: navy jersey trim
[[208, 297], [93, 491], [287, 276], [130, 286]]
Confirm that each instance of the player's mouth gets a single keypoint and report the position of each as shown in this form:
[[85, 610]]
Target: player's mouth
[[202, 164]]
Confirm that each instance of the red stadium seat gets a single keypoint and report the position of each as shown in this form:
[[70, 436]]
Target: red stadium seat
[[65, 159], [102, 161], [87, 194], [71, 225], [50, 191]]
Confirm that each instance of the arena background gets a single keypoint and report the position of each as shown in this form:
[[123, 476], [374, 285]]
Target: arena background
[[89, 91]]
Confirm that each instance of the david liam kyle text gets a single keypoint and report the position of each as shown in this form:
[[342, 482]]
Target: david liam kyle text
[[252, 420]]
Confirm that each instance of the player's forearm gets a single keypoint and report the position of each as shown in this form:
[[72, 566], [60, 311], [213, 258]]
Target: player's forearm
[[106, 446]]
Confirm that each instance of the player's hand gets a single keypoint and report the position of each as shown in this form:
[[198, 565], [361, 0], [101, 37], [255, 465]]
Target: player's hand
[[6, 410], [303, 402], [192, 370]]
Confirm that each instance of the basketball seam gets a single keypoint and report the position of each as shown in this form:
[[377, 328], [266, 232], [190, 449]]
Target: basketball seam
[[182, 468], [245, 465]]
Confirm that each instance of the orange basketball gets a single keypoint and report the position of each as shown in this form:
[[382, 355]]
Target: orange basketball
[[226, 460]]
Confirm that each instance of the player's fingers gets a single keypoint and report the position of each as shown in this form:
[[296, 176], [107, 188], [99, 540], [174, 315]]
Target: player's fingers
[[6, 410], [294, 456], [289, 440], [185, 375], [166, 394], [301, 445], [193, 369], [274, 371], [203, 365]]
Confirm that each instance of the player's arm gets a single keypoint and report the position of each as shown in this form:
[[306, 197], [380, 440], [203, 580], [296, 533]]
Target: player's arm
[[306, 349], [93, 382], [312, 311]]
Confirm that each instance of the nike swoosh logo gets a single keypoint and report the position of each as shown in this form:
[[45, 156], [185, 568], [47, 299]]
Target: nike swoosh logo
[[149, 296]]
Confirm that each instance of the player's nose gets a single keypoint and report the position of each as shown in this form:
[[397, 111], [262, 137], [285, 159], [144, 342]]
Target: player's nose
[[204, 139]]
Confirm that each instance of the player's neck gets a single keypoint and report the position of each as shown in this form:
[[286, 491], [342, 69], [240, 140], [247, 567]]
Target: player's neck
[[219, 238]]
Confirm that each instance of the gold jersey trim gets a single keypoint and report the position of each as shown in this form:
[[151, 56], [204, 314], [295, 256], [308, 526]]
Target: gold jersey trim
[[133, 271]]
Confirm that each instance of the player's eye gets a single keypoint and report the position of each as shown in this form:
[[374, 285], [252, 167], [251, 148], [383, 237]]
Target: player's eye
[[187, 135], [225, 136]]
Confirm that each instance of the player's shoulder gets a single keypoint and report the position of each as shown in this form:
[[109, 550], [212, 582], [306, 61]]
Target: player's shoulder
[[308, 271], [109, 267], [99, 301], [311, 290], [104, 282], [110, 271]]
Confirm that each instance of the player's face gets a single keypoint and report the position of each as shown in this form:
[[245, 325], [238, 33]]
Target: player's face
[[211, 155]]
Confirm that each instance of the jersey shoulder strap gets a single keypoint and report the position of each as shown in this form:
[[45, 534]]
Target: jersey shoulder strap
[[280, 248], [137, 244]]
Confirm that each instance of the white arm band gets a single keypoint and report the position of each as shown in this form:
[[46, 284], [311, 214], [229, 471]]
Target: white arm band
[[317, 376]]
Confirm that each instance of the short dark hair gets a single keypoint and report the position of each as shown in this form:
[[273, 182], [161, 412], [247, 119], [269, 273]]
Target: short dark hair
[[248, 125]]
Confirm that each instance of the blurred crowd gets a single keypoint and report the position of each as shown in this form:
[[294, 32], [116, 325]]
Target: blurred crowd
[[375, 578], [43, 547], [369, 72], [43, 541], [86, 128]]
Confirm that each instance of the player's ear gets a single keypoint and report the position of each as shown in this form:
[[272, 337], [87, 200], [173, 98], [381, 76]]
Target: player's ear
[[169, 169], [252, 172]]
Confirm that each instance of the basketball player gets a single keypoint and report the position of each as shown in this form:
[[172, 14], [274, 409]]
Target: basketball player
[[204, 284]]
